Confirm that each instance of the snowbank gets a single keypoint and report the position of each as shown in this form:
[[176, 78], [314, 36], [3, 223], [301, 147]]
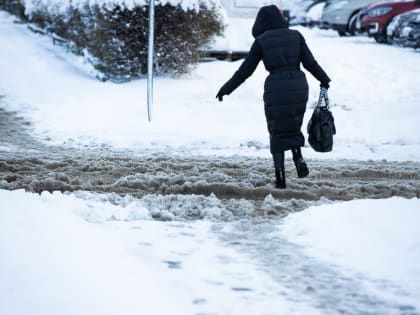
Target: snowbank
[[54, 262], [379, 239], [61, 6], [64, 254]]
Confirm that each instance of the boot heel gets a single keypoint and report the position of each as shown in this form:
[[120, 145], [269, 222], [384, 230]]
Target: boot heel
[[301, 168]]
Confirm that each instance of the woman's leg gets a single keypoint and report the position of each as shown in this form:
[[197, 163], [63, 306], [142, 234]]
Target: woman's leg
[[278, 160], [297, 154], [301, 167], [279, 169]]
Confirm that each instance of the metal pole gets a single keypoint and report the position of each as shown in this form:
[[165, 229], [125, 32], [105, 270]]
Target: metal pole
[[150, 59]]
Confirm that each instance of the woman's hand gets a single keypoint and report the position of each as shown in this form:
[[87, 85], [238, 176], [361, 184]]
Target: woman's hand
[[220, 95], [222, 92], [323, 95]]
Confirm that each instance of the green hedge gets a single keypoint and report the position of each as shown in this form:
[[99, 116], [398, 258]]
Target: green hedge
[[116, 37]]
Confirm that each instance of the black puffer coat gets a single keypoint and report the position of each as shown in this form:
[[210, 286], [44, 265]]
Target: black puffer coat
[[286, 89]]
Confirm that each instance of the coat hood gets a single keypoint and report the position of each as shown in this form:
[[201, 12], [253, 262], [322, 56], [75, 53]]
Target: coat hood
[[268, 17]]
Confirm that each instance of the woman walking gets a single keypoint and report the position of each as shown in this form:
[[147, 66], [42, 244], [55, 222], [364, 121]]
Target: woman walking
[[285, 89]]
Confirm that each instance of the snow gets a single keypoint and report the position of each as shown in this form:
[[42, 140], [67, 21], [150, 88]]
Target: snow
[[81, 253], [54, 261], [60, 6], [377, 238], [315, 12], [234, 37], [375, 120], [77, 253]]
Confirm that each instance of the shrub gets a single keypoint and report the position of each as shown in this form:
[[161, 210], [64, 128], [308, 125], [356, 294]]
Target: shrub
[[15, 7], [115, 35]]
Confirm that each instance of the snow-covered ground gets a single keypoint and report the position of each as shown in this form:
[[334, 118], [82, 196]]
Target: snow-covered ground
[[80, 253], [374, 94], [58, 255], [61, 254], [70, 254], [377, 238]]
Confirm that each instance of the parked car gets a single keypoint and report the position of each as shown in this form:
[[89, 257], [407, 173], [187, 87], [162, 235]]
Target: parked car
[[404, 29], [314, 12], [375, 18], [341, 15]]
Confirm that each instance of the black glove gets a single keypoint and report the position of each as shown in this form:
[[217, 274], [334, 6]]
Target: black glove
[[222, 92], [220, 95]]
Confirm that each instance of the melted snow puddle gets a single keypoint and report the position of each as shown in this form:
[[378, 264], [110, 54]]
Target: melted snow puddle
[[26, 163], [228, 178]]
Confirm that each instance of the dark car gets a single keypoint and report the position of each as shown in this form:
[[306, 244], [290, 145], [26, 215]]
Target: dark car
[[376, 17], [404, 29]]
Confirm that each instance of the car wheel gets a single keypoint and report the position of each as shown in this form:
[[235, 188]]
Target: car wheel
[[380, 38], [341, 33], [351, 26]]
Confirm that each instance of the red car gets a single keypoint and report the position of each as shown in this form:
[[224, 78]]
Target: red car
[[375, 17]]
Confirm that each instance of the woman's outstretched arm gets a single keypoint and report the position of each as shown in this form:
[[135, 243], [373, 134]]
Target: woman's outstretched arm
[[246, 69]]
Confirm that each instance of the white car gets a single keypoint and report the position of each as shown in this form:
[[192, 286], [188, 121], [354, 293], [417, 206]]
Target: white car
[[341, 15]]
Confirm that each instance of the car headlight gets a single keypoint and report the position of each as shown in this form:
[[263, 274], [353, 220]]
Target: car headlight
[[379, 11]]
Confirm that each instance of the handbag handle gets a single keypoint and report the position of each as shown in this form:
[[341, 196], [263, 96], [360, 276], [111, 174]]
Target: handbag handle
[[323, 95]]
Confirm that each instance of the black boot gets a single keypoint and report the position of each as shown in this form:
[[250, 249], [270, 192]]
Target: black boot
[[280, 178], [301, 168]]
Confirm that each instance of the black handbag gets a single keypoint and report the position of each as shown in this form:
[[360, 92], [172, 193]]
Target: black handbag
[[321, 127]]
